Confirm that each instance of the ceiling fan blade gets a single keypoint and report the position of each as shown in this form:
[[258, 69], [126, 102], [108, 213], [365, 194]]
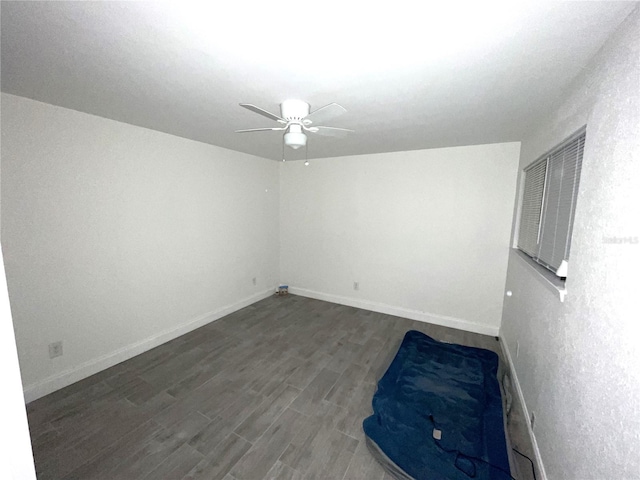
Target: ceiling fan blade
[[263, 112], [325, 113], [260, 129], [330, 131]]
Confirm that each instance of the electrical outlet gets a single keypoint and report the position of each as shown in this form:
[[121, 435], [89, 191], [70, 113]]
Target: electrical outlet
[[55, 349], [517, 349], [255, 281], [356, 286], [532, 420]]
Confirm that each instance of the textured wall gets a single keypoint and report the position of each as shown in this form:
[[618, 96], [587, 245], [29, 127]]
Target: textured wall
[[425, 232], [115, 234], [579, 361]]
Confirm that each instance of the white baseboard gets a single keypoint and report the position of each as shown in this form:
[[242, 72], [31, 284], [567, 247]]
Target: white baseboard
[[542, 475], [427, 317], [95, 365]]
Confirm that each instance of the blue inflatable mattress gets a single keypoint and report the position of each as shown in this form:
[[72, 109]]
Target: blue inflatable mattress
[[437, 413]]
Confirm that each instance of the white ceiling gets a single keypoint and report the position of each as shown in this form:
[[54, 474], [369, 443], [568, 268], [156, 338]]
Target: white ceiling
[[412, 75]]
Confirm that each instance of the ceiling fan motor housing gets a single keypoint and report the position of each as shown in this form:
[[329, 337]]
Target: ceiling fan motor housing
[[294, 110]]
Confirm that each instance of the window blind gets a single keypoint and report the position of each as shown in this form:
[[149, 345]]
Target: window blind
[[563, 179], [532, 208], [548, 205]]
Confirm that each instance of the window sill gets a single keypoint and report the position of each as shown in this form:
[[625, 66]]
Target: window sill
[[544, 276]]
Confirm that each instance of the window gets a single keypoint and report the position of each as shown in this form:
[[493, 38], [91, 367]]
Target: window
[[548, 205]]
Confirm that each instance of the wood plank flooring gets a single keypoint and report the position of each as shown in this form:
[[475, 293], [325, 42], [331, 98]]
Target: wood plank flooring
[[277, 390]]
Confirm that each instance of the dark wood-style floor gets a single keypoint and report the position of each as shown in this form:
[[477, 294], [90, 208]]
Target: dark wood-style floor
[[277, 390]]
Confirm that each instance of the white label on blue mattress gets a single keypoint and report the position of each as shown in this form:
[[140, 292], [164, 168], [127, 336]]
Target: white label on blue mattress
[[437, 434]]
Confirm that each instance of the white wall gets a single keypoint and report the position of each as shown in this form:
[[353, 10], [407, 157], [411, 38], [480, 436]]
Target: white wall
[[16, 457], [579, 361], [425, 233], [117, 238]]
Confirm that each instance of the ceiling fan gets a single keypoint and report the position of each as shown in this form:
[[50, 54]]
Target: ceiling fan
[[296, 120]]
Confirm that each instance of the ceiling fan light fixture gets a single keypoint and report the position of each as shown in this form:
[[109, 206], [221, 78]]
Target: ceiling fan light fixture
[[295, 138]]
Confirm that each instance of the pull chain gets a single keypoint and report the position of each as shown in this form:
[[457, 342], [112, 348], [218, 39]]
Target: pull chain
[[306, 153]]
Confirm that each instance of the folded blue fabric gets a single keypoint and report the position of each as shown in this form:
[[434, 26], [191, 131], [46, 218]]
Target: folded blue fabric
[[437, 413]]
